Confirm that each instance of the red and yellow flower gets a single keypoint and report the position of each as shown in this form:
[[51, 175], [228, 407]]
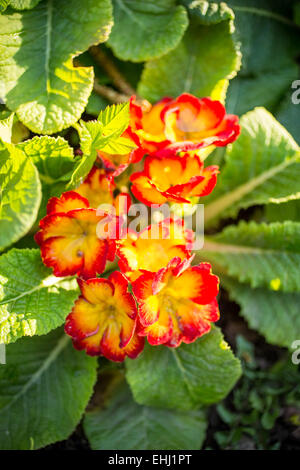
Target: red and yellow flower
[[154, 247], [98, 188], [103, 319], [185, 123], [69, 237], [178, 303], [173, 179], [192, 123]]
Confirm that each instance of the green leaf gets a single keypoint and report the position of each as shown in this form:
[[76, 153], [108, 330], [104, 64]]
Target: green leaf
[[103, 134], [195, 374], [124, 425], [281, 212], [3, 5], [273, 314], [288, 113], [32, 300], [18, 132], [151, 28], [37, 48], [297, 13], [264, 22], [23, 4], [53, 157], [6, 128], [44, 389], [266, 71], [90, 134], [20, 194], [114, 119], [261, 254], [208, 13], [201, 64], [55, 162], [262, 166], [265, 89], [118, 145]]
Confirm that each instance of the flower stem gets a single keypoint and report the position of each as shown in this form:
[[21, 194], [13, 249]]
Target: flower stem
[[111, 70], [109, 93]]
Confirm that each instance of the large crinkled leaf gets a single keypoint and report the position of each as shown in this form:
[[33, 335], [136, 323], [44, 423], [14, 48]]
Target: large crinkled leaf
[[6, 128], [184, 378], [264, 21], [282, 212], [45, 386], [262, 166], [273, 314], [201, 64], [20, 194], [262, 254], [23, 4], [103, 134], [209, 12], [269, 70], [37, 77], [32, 300], [146, 29], [265, 89], [54, 159], [122, 424]]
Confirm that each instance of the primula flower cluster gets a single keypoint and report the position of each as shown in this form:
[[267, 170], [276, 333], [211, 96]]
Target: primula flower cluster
[[157, 294]]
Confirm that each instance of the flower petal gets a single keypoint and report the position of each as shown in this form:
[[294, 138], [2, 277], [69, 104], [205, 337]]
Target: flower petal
[[97, 188], [134, 347], [96, 290], [159, 332], [197, 284], [185, 190], [83, 321], [124, 301], [111, 350], [148, 303], [68, 201], [154, 247], [195, 320], [145, 191], [205, 187]]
